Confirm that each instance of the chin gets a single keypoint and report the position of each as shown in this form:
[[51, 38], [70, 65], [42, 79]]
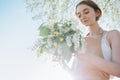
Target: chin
[[85, 24]]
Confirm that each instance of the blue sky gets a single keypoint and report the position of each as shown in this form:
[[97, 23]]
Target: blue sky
[[17, 30], [18, 33]]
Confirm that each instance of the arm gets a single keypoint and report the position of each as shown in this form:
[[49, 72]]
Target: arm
[[64, 66], [112, 67], [69, 68], [105, 66], [115, 45]]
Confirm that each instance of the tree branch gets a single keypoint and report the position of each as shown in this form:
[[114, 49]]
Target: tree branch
[[106, 4]]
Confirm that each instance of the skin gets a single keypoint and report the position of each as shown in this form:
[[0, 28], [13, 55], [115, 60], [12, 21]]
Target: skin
[[91, 65]]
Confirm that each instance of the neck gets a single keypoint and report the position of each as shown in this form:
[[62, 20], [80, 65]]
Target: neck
[[95, 30]]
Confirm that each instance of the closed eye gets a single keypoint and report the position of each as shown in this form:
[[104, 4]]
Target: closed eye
[[86, 12]]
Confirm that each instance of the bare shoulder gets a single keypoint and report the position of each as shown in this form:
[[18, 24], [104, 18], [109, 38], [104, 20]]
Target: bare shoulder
[[114, 37], [113, 34]]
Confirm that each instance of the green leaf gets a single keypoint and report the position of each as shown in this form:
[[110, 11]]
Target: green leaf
[[40, 50], [44, 31], [66, 52]]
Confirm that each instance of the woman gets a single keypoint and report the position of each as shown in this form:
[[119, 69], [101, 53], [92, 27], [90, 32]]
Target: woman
[[101, 58]]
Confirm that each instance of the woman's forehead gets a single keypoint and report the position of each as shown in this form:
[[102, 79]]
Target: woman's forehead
[[82, 7]]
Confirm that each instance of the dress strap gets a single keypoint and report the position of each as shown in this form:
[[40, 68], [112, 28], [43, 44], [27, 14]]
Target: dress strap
[[107, 51]]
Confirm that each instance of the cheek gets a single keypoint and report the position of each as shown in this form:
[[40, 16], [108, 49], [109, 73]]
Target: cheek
[[92, 16]]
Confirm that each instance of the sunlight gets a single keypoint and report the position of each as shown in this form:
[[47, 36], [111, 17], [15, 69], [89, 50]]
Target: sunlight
[[53, 72]]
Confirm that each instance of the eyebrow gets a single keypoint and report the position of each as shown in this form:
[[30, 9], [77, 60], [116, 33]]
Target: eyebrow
[[83, 10]]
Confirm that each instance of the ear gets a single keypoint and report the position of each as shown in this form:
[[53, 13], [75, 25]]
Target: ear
[[97, 13]]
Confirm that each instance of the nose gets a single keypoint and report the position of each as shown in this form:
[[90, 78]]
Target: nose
[[82, 17]]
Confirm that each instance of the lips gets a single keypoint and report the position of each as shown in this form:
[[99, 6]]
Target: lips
[[85, 21]]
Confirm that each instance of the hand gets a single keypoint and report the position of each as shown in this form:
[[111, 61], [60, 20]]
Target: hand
[[78, 54], [63, 64]]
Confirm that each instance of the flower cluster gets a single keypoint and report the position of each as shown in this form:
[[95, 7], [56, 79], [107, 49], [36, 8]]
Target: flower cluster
[[60, 39]]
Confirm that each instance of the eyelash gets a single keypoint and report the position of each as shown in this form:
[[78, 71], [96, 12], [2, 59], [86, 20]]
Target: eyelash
[[84, 13]]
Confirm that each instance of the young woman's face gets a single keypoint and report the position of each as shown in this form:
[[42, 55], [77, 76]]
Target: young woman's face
[[86, 14]]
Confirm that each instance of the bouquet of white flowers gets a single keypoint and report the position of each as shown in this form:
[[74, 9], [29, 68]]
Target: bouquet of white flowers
[[60, 39]]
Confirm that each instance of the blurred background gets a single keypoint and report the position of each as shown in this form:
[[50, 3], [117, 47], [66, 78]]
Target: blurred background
[[19, 22]]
